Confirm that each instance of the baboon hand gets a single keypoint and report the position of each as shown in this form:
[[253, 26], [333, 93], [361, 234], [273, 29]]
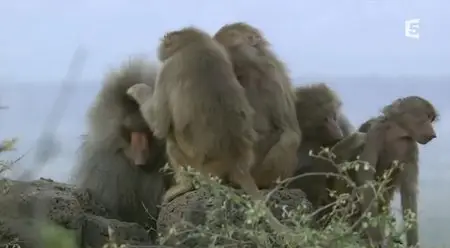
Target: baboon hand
[[140, 92]]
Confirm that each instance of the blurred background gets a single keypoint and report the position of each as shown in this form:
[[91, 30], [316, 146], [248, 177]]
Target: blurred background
[[359, 47]]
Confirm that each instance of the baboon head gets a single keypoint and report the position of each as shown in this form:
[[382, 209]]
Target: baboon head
[[415, 116], [174, 41], [115, 118], [318, 108], [240, 33]]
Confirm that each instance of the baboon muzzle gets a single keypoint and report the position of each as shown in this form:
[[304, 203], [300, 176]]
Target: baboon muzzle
[[139, 148]]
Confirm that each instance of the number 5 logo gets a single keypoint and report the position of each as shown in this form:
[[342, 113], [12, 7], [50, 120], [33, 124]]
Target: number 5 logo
[[412, 28]]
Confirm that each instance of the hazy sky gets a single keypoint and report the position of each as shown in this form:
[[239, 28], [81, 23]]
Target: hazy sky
[[314, 37]]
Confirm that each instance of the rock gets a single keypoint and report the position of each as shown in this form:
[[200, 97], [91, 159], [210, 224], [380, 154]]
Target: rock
[[30, 210], [192, 208], [49, 214]]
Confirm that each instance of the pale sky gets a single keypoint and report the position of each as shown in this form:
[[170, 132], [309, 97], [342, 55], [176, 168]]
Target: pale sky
[[313, 36]]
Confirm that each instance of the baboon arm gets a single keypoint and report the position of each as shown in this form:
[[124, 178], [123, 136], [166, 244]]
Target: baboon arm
[[285, 150], [345, 125], [284, 116], [409, 202], [156, 113], [369, 201], [346, 149], [369, 155], [408, 191], [290, 117]]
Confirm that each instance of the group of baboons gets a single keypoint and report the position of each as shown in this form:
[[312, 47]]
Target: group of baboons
[[225, 105]]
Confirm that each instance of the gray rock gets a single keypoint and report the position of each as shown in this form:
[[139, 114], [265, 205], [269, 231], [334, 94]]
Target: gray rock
[[28, 208], [191, 209], [31, 211]]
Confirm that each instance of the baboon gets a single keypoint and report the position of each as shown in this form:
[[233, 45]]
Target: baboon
[[271, 94], [364, 128], [120, 159], [320, 118], [323, 124], [201, 110], [393, 138]]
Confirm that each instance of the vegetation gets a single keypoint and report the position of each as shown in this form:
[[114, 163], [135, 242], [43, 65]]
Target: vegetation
[[235, 221]]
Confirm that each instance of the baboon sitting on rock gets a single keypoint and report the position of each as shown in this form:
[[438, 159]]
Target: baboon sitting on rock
[[120, 159]]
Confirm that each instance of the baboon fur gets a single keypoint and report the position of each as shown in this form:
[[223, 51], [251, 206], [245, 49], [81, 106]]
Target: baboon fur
[[270, 92], [323, 124], [364, 128], [202, 111], [103, 166], [392, 138]]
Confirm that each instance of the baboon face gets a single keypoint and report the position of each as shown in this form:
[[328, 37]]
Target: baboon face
[[332, 130], [231, 36], [420, 128], [138, 136], [325, 129], [415, 115]]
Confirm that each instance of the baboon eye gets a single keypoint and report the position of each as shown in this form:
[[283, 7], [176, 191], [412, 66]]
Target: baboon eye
[[432, 118]]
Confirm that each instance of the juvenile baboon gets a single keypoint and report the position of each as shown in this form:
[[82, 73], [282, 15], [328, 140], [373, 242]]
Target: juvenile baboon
[[270, 92], [392, 138], [201, 110], [364, 128], [119, 159], [320, 118], [322, 123]]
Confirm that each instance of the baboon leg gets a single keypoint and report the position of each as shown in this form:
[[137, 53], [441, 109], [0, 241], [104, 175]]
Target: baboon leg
[[177, 160], [282, 157], [177, 190]]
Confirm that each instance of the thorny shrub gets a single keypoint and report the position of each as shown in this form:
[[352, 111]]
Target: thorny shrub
[[233, 220]]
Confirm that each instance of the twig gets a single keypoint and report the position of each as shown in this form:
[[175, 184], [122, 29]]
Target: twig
[[44, 151]]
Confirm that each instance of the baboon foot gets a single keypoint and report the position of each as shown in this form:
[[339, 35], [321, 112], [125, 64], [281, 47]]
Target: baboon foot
[[176, 191]]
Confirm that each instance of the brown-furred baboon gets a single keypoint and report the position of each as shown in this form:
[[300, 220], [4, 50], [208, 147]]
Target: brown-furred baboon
[[320, 118], [364, 128], [323, 124], [393, 138], [269, 89], [120, 160], [201, 110]]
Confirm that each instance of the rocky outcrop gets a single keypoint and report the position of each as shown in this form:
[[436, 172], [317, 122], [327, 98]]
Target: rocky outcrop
[[179, 218], [30, 210], [33, 214]]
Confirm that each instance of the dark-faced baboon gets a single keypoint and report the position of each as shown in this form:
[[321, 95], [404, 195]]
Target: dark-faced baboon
[[270, 92], [201, 110], [322, 123], [392, 139], [320, 118], [120, 159]]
